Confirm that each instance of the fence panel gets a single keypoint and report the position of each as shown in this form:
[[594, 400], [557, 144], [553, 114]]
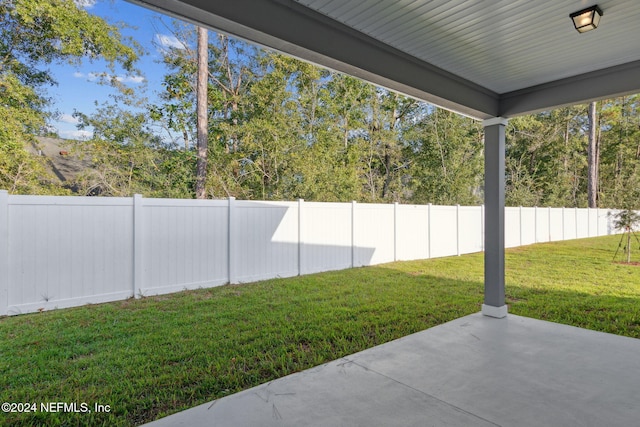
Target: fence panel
[[443, 231], [528, 226], [326, 236], [412, 232], [265, 240], [373, 241], [582, 223], [470, 228], [556, 224], [68, 251], [569, 223], [542, 225], [511, 227], [185, 244]]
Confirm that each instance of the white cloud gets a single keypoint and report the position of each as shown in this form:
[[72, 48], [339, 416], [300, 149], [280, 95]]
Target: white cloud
[[87, 4], [68, 118], [130, 79], [95, 76], [167, 41], [75, 134], [90, 76]]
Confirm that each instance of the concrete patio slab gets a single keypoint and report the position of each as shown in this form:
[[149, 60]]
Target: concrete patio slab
[[473, 371]]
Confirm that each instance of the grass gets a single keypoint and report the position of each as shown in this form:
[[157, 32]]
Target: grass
[[151, 357]]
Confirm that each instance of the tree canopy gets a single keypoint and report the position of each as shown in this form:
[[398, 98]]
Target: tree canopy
[[279, 128], [33, 34]]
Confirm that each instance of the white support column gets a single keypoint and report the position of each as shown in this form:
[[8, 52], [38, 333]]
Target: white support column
[[4, 252], [138, 254], [494, 171]]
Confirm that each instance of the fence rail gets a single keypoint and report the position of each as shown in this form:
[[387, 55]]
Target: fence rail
[[58, 252]]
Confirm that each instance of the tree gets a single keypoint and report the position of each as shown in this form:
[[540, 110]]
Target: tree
[[626, 220], [445, 150], [34, 33], [619, 174], [545, 161], [593, 157], [127, 157], [201, 112]]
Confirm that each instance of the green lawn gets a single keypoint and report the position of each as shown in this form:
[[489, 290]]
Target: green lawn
[[154, 356]]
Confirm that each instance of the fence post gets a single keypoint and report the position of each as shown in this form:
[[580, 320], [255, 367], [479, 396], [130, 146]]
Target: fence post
[[353, 233], [4, 252], [300, 239], [429, 230], [563, 237], [597, 222], [395, 231], [230, 237], [549, 223], [458, 230], [482, 225], [520, 221], [576, 216], [535, 224], [137, 246]]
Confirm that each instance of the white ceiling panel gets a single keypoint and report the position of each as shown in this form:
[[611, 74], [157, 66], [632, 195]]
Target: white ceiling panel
[[503, 45]]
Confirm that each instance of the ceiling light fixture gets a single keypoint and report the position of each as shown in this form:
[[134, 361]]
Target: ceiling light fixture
[[586, 19]]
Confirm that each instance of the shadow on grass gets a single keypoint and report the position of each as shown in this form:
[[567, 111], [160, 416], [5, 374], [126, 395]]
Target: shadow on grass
[[606, 313]]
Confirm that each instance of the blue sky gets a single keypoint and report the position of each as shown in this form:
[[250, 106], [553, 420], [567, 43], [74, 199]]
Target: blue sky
[[78, 88]]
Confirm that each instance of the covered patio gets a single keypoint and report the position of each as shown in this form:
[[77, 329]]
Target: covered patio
[[489, 60], [473, 371]]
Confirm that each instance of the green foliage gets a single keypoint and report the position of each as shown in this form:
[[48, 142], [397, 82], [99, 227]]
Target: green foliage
[[446, 151], [283, 129], [128, 158], [626, 219], [34, 33]]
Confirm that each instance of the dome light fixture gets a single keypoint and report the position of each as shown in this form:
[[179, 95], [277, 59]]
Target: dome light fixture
[[586, 19]]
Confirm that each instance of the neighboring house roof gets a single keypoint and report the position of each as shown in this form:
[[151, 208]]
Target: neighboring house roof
[[63, 165]]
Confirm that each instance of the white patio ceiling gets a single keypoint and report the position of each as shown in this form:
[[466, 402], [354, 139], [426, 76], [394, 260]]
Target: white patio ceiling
[[484, 59]]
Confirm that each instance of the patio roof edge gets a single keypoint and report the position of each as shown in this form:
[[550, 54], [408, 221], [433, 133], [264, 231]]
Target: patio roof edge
[[609, 82], [290, 28]]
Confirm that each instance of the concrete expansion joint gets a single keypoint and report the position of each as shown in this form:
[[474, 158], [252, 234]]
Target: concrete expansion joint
[[444, 402]]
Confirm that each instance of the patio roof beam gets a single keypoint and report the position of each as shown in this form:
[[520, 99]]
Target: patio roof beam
[[494, 166], [602, 84], [291, 28]]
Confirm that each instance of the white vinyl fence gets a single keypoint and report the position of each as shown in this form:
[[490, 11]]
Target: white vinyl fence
[[60, 252]]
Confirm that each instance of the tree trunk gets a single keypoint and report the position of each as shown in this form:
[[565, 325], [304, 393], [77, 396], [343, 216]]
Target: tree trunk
[[592, 158], [201, 112]]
